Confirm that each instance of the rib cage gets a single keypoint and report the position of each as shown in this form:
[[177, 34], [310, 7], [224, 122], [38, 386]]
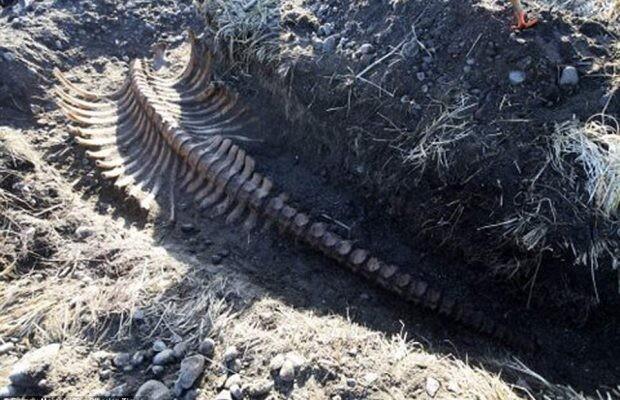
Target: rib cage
[[157, 136]]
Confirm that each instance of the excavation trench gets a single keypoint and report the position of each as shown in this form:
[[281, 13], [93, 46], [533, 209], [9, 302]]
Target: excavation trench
[[297, 150], [357, 214]]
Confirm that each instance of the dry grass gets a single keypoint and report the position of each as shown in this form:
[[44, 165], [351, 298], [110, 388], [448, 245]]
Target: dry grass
[[607, 10], [248, 28], [93, 291], [433, 142], [334, 350]]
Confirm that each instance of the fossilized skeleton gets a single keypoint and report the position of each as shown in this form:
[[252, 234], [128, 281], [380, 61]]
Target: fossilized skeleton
[[157, 136]]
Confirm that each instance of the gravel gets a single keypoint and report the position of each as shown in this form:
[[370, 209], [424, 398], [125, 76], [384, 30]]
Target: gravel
[[259, 388], [569, 77], [287, 372], [516, 77], [164, 357], [207, 347], [432, 386], [191, 369], [231, 354], [159, 345], [154, 390], [33, 366]]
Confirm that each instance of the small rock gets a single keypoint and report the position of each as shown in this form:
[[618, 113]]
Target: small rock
[[236, 365], [367, 48], [224, 395], [105, 374], [6, 347], [159, 345], [421, 76], [351, 382], [287, 372], [180, 349], [164, 357], [138, 358], [207, 347], [432, 386], [370, 378], [516, 77], [260, 388], [276, 363], [121, 360], [569, 77], [33, 366], [118, 391], [188, 228], [230, 354], [158, 370], [191, 369], [153, 390], [82, 232], [236, 392], [233, 380]]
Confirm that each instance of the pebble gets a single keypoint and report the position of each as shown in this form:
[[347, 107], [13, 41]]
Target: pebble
[[421, 76], [138, 358], [351, 382], [191, 369], [224, 395], [83, 232], [231, 353], [236, 392], [188, 228], [432, 386], [233, 380], [159, 345], [367, 48], [6, 347], [105, 374], [122, 360], [180, 349], [164, 357], [158, 370], [153, 390], [516, 77], [287, 372], [33, 366], [259, 388], [569, 77], [276, 363], [207, 347]]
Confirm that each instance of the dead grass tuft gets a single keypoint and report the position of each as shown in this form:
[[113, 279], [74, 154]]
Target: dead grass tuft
[[435, 140], [248, 29]]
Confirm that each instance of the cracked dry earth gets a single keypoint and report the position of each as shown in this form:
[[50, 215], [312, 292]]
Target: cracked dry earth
[[285, 321]]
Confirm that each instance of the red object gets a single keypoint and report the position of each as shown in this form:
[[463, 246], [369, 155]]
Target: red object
[[523, 22]]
